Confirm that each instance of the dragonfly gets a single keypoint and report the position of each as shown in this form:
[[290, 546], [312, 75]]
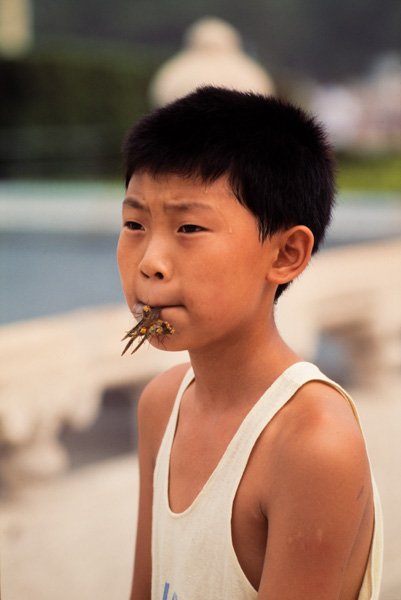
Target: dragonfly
[[149, 325]]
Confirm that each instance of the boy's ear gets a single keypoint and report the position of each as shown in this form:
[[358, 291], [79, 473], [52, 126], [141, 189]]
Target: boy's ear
[[293, 249]]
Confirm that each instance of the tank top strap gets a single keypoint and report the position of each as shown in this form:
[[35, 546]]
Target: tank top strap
[[163, 455], [186, 381]]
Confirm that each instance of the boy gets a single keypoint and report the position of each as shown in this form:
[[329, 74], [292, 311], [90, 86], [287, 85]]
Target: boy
[[254, 477]]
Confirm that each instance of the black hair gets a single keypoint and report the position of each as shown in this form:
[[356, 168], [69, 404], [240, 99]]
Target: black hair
[[277, 157]]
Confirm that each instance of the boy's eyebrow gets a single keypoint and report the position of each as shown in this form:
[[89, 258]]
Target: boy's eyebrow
[[134, 203], [185, 206], [168, 206]]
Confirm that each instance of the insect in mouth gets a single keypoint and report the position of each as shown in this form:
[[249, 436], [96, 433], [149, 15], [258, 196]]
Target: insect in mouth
[[149, 325]]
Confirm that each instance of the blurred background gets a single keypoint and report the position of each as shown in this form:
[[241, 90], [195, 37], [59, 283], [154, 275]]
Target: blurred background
[[74, 77]]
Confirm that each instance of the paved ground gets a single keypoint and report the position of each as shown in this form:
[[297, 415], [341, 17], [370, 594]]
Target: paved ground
[[73, 538]]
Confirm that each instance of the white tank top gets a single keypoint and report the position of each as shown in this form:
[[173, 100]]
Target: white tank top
[[193, 557]]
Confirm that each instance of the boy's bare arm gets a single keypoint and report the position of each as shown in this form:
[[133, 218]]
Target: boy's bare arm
[[154, 409], [319, 510]]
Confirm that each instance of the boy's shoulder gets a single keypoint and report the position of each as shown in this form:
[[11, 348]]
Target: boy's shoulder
[[317, 435], [318, 417]]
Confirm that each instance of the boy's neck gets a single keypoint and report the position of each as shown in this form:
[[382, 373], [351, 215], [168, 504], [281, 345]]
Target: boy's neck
[[240, 373]]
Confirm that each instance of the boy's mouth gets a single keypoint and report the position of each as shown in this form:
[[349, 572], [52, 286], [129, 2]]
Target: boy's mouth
[[149, 325]]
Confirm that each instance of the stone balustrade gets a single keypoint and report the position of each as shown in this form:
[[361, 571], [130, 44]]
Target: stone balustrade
[[353, 294], [54, 370], [53, 373]]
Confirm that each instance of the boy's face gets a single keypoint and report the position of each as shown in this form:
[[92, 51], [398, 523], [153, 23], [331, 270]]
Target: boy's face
[[193, 248]]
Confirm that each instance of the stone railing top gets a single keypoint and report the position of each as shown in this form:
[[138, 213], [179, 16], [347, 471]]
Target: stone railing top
[[54, 369]]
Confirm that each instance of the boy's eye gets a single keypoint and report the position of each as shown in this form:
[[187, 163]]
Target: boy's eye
[[133, 225], [190, 228]]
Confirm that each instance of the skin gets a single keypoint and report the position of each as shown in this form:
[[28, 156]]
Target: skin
[[303, 514]]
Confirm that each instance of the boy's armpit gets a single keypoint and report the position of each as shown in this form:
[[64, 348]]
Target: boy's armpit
[[320, 509]]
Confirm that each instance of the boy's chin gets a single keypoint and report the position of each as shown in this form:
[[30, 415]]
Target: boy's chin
[[167, 345]]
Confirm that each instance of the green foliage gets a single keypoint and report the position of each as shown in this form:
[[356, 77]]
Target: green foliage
[[70, 103], [370, 173]]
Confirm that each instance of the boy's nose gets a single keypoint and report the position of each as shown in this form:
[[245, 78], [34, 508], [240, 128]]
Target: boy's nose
[[155, 263], [157, 274]]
